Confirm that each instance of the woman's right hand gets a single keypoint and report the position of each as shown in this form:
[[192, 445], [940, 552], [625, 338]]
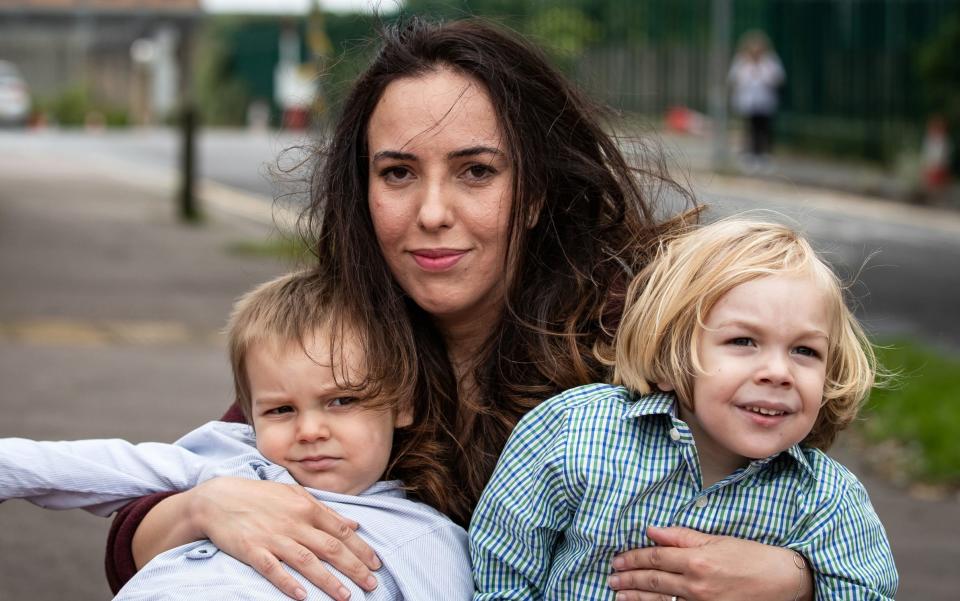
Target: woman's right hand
[[263, 524]]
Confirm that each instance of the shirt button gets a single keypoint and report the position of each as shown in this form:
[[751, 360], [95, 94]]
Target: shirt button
[[674, 434], [701, 502]]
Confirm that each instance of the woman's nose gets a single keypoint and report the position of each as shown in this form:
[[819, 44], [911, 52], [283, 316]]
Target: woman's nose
[[435, 205]]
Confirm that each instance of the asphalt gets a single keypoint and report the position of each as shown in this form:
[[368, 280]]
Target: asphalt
[[110, 319]]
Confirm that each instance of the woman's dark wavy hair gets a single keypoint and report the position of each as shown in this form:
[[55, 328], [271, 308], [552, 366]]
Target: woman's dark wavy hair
[[581, 226]]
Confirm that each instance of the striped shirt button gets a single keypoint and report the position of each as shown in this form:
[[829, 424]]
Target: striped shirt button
[[701, 502], [674, 434]]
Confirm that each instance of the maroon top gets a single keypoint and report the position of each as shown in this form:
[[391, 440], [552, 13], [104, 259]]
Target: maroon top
[[119, 560]]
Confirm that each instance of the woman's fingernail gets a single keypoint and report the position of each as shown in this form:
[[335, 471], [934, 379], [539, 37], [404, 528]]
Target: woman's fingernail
[[343, 593], [619, 563], [370, 582], [300, 594], [613, 581], [377, 563], [621, 597]]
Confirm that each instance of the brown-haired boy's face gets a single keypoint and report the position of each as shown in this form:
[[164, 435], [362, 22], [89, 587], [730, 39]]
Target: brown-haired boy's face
[[307, 423], [763, 354]]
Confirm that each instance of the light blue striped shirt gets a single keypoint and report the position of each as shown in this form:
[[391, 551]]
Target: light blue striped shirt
[[424, 554], [585, 472]]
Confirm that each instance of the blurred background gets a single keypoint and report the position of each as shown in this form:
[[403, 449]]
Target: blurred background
[[154, 156]]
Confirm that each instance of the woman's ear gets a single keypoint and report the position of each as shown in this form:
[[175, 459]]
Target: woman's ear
[[665, 387], [404, 417]]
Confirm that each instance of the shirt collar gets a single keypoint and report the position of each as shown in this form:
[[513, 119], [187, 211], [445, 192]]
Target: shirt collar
[[664, 403], [799, 457], [655, 403]]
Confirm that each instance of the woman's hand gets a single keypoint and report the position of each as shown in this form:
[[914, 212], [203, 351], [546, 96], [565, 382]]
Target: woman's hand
[[701, 567], [262, 524]]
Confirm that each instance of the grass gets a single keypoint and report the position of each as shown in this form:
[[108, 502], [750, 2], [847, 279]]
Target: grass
[[290, 249], [919, 412]]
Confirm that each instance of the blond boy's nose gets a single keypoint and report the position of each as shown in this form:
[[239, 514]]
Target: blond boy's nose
[[775, 370]]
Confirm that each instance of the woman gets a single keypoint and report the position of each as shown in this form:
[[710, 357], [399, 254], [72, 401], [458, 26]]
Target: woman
[[756, 75], [469, 202]]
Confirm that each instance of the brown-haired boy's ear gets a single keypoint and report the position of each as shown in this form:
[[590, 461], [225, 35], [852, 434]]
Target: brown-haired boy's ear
[[665, 386], [404, 417]]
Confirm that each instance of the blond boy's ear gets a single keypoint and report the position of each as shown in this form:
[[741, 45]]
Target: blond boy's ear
[[404, 417]]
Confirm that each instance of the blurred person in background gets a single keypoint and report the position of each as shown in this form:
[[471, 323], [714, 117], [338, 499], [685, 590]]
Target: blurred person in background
[[755, 78]]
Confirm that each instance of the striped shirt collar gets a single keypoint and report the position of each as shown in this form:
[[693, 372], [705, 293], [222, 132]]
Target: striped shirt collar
[[665, 403]]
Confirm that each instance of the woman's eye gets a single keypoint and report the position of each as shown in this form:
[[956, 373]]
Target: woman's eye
[[741, 341], [395, 174], [480, 172], [806, 351]]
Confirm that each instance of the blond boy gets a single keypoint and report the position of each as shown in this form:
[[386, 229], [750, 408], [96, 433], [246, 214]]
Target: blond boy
[[737, 363]]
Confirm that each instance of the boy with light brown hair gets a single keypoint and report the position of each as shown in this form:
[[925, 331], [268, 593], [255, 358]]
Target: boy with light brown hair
[[314, 421]]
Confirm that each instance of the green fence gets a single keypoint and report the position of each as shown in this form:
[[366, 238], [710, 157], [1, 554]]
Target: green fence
[[853, 84]]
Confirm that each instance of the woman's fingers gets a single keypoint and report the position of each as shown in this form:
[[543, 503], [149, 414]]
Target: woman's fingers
[[662, 559], [316, 545], [305, 561], [265, 523], [646, 585], [268, 566], [344, 531]]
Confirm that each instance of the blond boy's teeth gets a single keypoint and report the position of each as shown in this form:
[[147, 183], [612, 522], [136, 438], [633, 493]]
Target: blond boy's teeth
[[763, 411]]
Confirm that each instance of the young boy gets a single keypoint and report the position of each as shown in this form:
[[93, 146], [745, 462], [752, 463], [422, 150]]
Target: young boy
[[314, 423], [738, 363]]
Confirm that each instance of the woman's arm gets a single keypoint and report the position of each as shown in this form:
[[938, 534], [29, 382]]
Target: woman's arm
[[262, 524], [703, 567]]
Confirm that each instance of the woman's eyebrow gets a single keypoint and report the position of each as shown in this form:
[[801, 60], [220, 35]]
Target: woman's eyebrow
[[473, 151], [395, 155]]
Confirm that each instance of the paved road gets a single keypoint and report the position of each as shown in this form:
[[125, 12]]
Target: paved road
[[110, 311]]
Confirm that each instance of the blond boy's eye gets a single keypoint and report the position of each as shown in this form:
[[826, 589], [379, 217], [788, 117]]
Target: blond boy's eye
[[806, 351], [741, 341], [280, 410]]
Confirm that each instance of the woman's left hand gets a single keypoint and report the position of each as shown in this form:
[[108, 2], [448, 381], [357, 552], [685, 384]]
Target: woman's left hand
[[692, 566]]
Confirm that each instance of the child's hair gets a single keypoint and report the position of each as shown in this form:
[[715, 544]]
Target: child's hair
[[289, 309], [668, 302], [279, 312]]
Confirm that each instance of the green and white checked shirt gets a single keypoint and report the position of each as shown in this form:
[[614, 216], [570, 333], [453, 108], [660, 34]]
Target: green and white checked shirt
[[585, 472]]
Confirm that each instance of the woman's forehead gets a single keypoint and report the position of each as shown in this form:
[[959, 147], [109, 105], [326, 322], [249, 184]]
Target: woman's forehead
[[441, 110]]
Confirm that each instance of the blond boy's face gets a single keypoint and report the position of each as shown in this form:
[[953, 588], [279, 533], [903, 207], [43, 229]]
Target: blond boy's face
[[311, 426], [764, 354]]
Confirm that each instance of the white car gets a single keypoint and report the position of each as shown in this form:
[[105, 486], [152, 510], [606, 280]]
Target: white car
[[14, 96]]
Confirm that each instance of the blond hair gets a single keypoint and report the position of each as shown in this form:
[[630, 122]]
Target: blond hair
[[668, 302]]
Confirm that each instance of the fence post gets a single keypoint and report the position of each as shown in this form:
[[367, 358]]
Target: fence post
[[187, 200], [719, 64]]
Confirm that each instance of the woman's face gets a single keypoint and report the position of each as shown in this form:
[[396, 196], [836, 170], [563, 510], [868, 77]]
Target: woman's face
[[440, 193]]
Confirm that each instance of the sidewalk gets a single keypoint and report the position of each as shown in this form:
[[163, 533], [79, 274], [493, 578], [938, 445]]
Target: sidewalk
[[693, 152], [109, 327], [110, 320]]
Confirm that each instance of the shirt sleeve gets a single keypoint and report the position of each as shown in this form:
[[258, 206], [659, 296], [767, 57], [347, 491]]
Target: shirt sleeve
[[523, 510], [848, 551], [100, 476], [118, 561]]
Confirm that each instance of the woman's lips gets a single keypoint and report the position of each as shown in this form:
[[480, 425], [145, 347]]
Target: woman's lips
[[437, 259]]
